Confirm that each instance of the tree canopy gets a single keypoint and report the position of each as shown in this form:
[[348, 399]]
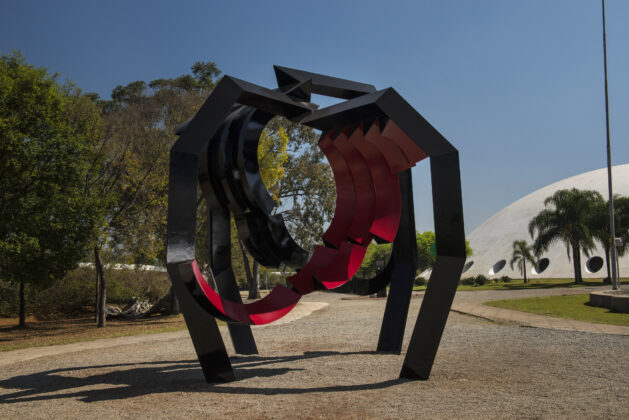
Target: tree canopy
[[378, 255], [600, 228], [45, 219], [566, 219], [306, 191], [522, 253]]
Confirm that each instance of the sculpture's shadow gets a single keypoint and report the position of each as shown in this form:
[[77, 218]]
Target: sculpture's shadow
[[129, 380]]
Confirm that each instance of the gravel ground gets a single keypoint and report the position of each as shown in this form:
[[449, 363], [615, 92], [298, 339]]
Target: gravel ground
[[322, 366]]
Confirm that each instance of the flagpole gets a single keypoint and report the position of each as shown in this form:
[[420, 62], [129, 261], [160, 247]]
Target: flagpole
[[612, 227]]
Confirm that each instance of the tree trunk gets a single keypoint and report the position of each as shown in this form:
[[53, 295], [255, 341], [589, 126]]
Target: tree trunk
[[96, 294], [102, 299], [245, 262], [254, 284], [576, 261], [524, 270], [608, 280], [22, 307]]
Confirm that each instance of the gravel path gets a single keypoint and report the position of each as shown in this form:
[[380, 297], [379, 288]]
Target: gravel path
[[322, 366]]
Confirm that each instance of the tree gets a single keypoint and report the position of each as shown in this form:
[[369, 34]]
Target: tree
[[132, 176], [565, 219], [426, 257], [45, 220], [306, 191], [296, 175], [426, 250], [376, 258], [621, 207], [599, 225], [521, 253]]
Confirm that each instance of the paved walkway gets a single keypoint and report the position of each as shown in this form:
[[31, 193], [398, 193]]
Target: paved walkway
[[476, 307]]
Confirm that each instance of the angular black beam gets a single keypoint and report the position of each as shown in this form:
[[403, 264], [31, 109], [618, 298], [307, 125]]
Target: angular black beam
[[364, 105], [204, 333], [182, 207], [447, 208], [402, 277], [288, 79], [219, 244], [444, 279]]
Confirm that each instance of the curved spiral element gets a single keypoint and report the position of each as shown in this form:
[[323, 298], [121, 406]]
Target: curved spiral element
[[371, 139], [368, 205]]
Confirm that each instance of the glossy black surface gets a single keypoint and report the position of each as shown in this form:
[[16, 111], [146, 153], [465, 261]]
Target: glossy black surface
[[217, 150], [404, 267]]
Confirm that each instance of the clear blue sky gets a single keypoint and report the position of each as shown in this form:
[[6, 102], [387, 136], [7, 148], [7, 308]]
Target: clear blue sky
[[516, 86]]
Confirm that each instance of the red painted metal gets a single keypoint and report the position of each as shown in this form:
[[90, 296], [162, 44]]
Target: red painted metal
[[391, 152], [364, 188], [386, 185], [412, 152], [344, 213], [303, 281], [368, 203], [272, 307], [331, 267], [342, 267]]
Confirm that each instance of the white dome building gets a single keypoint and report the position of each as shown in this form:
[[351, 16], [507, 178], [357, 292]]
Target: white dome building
[[492, 241]]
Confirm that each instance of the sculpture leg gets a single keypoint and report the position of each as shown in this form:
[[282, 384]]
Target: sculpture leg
[[450, 236], [404, 255], [204, 333], [219, 238]]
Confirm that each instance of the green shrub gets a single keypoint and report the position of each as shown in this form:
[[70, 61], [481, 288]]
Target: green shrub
[[505, 279], [420, 281], [480, 280], [69, 295], [274, 279], [468, 281]]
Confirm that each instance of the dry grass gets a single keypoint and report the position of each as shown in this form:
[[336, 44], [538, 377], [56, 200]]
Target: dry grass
[[66, 331]]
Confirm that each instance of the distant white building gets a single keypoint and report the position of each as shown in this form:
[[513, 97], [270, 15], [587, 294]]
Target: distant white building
[[138, 267], [493, 240]]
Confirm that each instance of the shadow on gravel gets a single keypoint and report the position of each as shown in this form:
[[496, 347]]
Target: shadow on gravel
[[129, 380]]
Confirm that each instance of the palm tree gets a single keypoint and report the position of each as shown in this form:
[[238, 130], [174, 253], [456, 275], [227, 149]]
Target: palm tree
[[621, 207], [522, 252], [565, 219], [599, 226]]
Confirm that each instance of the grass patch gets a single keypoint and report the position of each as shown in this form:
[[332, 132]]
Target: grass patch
[[566, 306], [532, 284], [66, 331]]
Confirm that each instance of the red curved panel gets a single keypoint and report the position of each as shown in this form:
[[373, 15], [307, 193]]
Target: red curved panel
[[391, 152], [368, 203], [303, 281], [342, 267], [364, 188], [412, 151], [386, 185], [268, 309], [332, 267], [339, 227]]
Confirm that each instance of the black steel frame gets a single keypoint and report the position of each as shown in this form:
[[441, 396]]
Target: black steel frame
[[191, 166]]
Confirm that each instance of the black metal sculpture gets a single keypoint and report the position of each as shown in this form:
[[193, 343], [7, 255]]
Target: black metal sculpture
[[371, 141]]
